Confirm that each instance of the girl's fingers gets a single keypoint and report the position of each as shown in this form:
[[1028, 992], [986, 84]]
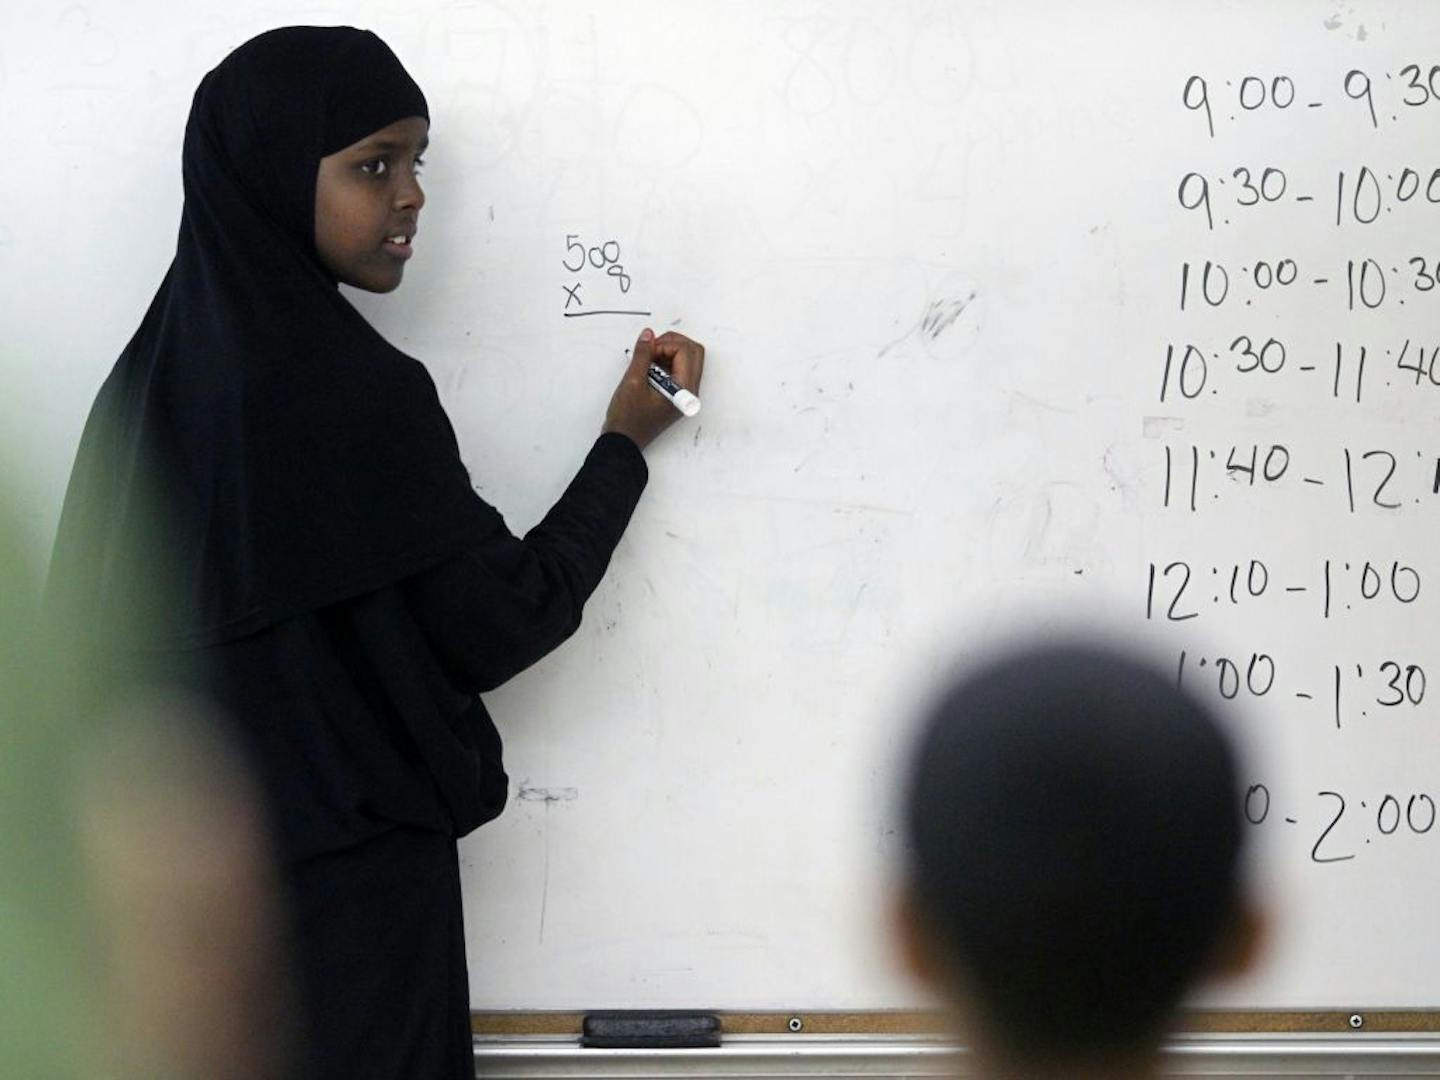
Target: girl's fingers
[[686, 358]]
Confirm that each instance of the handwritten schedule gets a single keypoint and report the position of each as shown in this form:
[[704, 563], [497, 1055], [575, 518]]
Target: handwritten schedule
[[1296, 387]]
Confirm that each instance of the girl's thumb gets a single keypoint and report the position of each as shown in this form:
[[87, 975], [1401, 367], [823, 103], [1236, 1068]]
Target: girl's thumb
[[640, 356]]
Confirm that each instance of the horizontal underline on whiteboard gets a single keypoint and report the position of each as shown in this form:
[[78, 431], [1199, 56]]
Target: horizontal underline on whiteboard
[[582, 314]]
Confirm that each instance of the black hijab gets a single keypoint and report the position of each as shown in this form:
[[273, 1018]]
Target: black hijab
[[258, 444]]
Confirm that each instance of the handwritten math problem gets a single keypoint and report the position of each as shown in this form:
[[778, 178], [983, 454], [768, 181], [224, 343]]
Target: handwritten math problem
[[597, 281]]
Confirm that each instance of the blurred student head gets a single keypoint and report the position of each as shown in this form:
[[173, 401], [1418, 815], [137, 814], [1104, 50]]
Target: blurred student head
[[183, 897], [138, 917], [1074, 831]]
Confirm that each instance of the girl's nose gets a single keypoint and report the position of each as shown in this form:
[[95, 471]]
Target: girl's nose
[[410, 194]]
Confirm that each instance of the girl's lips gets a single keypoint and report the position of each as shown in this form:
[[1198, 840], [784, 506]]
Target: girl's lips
[[400, 251]]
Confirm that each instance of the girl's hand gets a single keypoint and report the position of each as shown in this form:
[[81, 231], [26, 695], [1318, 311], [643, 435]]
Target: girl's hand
[[638, 411]]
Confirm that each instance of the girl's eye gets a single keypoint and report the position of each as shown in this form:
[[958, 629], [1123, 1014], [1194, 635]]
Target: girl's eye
[[381, 166]]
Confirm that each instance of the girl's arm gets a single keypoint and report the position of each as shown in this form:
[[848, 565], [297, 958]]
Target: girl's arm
[[493, 611]]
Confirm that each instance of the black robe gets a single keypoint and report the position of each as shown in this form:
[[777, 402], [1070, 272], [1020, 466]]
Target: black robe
[[268, 500], [366, 726]]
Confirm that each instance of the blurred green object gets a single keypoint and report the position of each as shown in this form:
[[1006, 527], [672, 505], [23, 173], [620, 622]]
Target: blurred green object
[[140, 932], [47, 933]]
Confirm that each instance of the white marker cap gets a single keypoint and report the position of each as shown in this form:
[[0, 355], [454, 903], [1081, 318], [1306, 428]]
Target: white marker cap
[[686, 402]]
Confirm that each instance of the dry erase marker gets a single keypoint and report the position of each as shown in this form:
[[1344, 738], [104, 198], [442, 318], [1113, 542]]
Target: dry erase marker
[[678, 396]]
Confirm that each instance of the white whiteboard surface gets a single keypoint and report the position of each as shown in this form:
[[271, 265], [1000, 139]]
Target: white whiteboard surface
[[935, 251]]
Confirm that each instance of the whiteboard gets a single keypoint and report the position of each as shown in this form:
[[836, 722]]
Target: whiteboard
[[937, 252]]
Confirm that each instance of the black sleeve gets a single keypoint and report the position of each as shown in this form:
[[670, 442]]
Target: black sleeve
[[491, 612]]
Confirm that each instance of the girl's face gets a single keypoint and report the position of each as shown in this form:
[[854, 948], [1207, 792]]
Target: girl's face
[[366, 196]]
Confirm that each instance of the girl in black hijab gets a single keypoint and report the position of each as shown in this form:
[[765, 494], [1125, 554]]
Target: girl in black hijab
[[330, 575]]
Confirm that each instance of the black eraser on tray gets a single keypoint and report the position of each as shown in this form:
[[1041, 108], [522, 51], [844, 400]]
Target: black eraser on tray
[[666, 1029]]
